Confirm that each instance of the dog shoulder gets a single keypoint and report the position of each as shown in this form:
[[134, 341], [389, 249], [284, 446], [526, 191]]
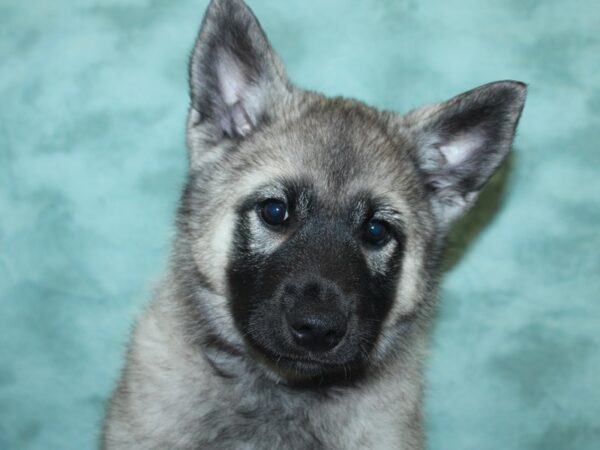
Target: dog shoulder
[[162, 383]]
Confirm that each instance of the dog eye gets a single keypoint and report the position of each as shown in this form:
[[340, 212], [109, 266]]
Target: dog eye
[[376, 232], [274, 212]]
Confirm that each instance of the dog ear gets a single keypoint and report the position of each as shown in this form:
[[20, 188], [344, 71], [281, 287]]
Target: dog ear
[[233, 71], [459, 144]]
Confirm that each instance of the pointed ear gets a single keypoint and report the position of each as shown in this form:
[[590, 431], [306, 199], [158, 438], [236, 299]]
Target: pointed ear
[[459, 144], [233, 71]]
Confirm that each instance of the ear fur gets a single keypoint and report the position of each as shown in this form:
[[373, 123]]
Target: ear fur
[[233, 70], [459, 144]]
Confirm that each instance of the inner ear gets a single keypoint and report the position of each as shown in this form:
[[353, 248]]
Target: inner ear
[[458, 149], [233, 70], [234, 87], [460, 144], [457, 162]]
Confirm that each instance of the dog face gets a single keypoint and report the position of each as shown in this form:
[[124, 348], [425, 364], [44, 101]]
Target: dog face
[[316, 255], [315, 223]]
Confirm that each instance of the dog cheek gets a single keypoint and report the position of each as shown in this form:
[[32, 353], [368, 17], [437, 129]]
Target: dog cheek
[[211, 251]]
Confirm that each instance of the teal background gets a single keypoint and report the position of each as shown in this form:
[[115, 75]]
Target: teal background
[[93, 100]]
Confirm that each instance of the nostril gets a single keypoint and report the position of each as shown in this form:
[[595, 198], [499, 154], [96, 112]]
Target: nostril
[[302, 328], [316, 330], [336, 333], [302, 324]]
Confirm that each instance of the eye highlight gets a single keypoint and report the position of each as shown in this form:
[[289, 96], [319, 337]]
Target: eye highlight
[[274, 212], [376, 232]]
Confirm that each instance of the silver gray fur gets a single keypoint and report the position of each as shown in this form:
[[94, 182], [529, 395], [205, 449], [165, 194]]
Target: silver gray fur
[[191, 381]]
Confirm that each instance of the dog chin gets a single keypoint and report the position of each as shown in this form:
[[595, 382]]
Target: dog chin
[[306, 369]]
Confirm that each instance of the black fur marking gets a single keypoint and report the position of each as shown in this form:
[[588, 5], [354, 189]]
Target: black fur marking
[[322, 250]]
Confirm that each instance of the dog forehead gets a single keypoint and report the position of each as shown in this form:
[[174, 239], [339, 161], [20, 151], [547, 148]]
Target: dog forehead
[[340, 147]]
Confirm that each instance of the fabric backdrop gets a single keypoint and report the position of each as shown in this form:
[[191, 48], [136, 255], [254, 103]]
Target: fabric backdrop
[[93, 99]]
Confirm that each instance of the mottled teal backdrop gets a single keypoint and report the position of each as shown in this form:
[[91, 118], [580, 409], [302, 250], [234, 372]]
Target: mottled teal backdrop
[[92, 108]]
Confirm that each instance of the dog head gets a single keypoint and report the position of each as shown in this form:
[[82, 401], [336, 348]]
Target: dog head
[[315, 223]]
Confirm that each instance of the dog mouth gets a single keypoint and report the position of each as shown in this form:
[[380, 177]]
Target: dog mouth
[[312, 366], [307, 365]]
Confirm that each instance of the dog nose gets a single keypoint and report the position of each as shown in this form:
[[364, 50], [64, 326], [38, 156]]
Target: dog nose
[[316, 329]]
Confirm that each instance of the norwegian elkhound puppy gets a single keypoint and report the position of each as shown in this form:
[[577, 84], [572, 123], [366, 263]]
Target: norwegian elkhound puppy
[[309, 238]]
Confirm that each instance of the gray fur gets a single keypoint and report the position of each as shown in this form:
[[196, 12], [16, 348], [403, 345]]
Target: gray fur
[[191, 380]]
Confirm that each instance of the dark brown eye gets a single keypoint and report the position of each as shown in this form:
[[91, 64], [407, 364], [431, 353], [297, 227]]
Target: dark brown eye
[[274, 212], [376, 232]]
